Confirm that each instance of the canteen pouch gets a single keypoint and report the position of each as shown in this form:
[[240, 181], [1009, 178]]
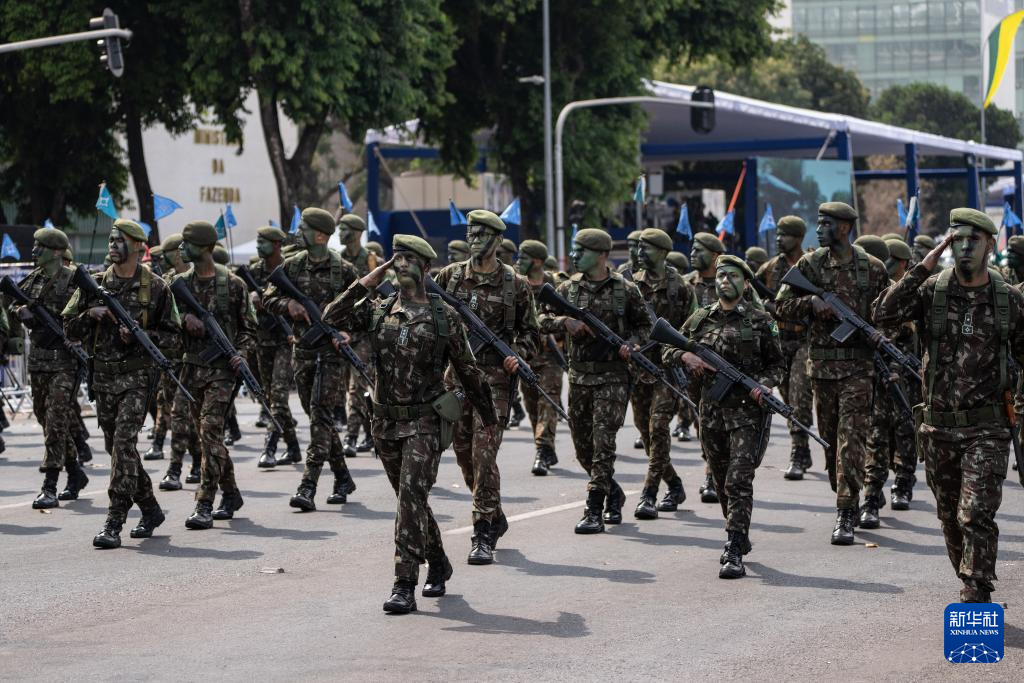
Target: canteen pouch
[[918, 411], [448, 407]]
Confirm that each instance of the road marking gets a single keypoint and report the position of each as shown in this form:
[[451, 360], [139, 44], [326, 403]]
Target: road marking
[[529, 515]]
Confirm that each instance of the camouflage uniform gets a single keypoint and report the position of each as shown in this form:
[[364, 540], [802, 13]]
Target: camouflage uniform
[[542, 414], [358, 415], [318, 369], [504, 301], [965, 375], [704, 295], [125, 377], [273, 354], [412, 344], [841, 374], [175, 407]]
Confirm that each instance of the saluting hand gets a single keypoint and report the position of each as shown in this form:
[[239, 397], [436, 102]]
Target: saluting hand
[[931, 259], [376, 276]]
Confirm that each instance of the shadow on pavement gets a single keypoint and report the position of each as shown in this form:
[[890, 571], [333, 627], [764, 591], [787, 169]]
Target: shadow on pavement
[[512, 557], [455, 608], [357, 509], [632, 532], [161, 545], [84, 506], [247, 527], [465, 494], [937, 548], [17, 494], [1013, 637], [757, 526], [774, 577], [16, 530]]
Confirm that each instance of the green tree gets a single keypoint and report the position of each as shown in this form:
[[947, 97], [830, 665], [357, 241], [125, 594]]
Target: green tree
[[599, 48]]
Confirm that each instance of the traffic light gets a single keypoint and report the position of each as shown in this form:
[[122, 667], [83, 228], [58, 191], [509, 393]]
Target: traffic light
[[111, 45], [702, 119]]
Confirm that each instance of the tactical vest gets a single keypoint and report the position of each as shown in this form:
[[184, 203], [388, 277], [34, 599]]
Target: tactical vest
[[145, 293], [862, 271], [618, 307], [222, 297], [508, 294], [441, 331], [294, 264], [672, 277], [748, 345]]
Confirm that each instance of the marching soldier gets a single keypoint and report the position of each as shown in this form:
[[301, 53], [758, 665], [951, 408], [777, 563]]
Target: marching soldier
[[504, 302], [796, 385], [755, 257], [971, 321], [669, 297], [415, 336], [213, 383], [543, 418], [599, 377], [922, 245], [684, 419], [321, 274], [841, 374], [458, 251], [124, 377], [632, 263], [507, 252], [53, 371], [733, 432], [1013, 272], [273, 354]]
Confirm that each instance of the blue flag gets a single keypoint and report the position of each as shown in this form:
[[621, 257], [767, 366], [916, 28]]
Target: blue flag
[[371, 225], [901, 212], [273, 223], [146, 227], [683, 228], [641, 190], [8, 250], [296, 219], [105, 202], [767, 220], [725, 226], [575, 229], [222, 230], [229, 217], [511, 213], [454, 215], [164, 206], [1010, 219], [346, 203], [48, 224]]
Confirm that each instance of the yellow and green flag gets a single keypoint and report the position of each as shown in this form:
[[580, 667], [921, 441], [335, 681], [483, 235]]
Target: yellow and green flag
[[1000, 51]]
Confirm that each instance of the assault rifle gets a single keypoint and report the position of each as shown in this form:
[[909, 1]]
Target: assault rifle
[[280, 322], [90, 287], [727, 375], [221, 346]]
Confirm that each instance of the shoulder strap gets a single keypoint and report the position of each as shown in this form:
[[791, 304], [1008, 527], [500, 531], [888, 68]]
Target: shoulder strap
[[698, 318], [442, 331], [1001, 300], [335, 271], [673, 289], [455, 279], [508, 295], [814, 261], [619, 301], [379, 311]]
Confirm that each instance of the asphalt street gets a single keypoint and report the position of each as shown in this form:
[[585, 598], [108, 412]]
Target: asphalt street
[[643, 599]]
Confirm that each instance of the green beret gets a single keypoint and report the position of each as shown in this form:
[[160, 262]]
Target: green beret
[[898, 249], [200, 233], [736, 262], [488, 218], [874, 245], [756, 254], [593, 238], [791, 225], [678, 260], [318, 220], [634, 236], [375, 247], [353, 222], [534, 249], [839, 210], [1016, 244], [926, 241], [51, 238], [158, 250], [220, 255], [460, 246], [172, 242], [271, 234], [508, 245], [550, 262], [416, 245], [973, 218], [892, 236], [709, 242], [130, 229], [657, 238]]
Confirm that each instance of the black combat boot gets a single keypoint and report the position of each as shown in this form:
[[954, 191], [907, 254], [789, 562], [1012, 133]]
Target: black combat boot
[[869, 512], [268, 457], [263, 421], [4, 424], [842, 534], [110, 537], [303, 498], [550, 456], [675, 496], [708, 494], [638, 443], [517, 415], [540, 463], [294, 453], [152, 517], [47, 497], [77, 480], [797, 458], [613, 504], [202, 518], [438, 572], [902, 493], [482, 550], [172, 480], [230, 503], [591, 522], [366, 445], [194, 474], [151, 433], [498, 529], [156, 451], [343, 485], [403, 598], [82, 446], [646, 509], [234, 433], [733, 568], [3, 445], [340, 417], [744, 548], [350, 445], [805, 452], [684, 434]]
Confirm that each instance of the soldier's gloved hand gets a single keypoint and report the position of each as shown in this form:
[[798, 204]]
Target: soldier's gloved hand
[[236, 362], [194, 326], [297, 312], [821, 309], [126, 334], [511, 365], [577, 329]]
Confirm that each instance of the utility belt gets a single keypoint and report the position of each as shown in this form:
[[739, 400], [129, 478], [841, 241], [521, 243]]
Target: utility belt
[[122, 367], [994, 412], [325, 351], [402, 412], [818, 353], [597, 366], [38, 355]]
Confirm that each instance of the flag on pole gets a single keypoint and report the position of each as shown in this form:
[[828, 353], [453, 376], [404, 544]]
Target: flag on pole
[[454, 215], [48, 224], [901, 212], [683, 228], [346, 203], [725, 226], [146, 227], [640, 192], [296, 219], [163, 207], [229, 217], [371, 225], [1010, 219], [767, 220], [9, 250], [105, 202], [222, 230], [1000, 51], [511, 213]]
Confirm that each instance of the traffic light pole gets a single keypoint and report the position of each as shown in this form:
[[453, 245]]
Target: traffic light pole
[[66, 38]]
